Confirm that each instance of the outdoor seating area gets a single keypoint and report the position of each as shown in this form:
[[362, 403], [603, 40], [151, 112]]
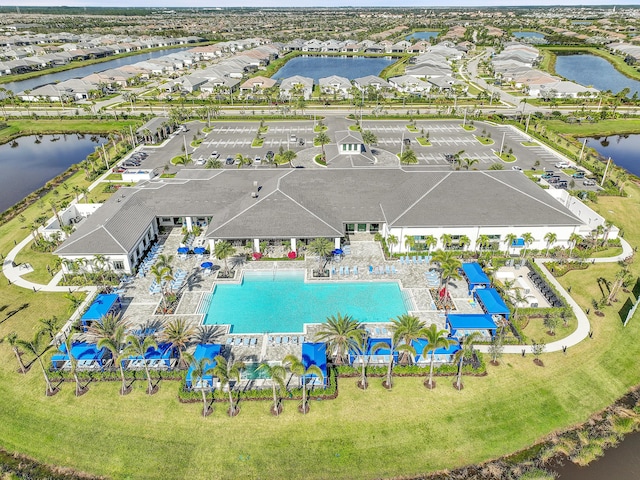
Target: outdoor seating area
[[461, 325], [286, 339], [150, 259], [203, 351], [415, 260], [87, 356], [242, 341], [474, 275], [104, 304], [491, 302], [161, 357]]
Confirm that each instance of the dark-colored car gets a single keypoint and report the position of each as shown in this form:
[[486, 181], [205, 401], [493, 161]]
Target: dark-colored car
[[229, 161], [270, 155]]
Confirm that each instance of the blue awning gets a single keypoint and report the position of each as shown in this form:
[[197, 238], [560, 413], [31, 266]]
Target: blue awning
[[471, 322], [475, 275], [101, 306], [315, 354], [491, 302], [208, 351], [441, 353], [81, 351], [518, 242]]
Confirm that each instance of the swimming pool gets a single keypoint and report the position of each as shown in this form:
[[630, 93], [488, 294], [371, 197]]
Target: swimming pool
[[281, 301]]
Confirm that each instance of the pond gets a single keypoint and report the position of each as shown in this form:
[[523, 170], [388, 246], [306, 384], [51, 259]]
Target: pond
[[623, 150], [31, 161], [523, 34], [30, 84], [591, 70], [620, 462], [421, 36], [318, 67]]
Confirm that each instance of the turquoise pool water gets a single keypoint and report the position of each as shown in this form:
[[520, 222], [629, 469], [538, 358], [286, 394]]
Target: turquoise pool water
[[283, 302]]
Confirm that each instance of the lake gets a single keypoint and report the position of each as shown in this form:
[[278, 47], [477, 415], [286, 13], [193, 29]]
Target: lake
[[30, 84], [523, 34], [591, 70], [318, 67], [30, 165], [623, 150], [421, 36]]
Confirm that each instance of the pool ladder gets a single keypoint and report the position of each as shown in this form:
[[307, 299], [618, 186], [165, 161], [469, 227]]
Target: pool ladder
[[407, 299], [205, 302]]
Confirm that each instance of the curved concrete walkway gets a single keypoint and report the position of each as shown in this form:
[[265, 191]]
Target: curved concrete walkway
[[584, 327]]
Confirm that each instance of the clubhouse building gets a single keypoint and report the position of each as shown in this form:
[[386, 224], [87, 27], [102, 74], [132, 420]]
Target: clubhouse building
[[250, 206]]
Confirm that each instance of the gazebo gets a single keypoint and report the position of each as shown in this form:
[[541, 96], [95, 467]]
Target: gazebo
[[442, 355], [88, 356]]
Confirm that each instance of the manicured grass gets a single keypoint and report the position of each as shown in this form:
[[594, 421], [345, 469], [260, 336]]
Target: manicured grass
[[19, 126], [535, 330], [355, 128], [423, 141], [114, 176], [529, 144], [196, 143], [609, 252], [321, 128], [468, 128], [412, 128], [257, 142], [506, 157], [601, 128], [484, 140]]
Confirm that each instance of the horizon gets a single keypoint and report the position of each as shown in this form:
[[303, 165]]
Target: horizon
[[314, 4]]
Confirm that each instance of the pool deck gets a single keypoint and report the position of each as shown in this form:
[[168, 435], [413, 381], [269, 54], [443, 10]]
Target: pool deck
[[139, 305]]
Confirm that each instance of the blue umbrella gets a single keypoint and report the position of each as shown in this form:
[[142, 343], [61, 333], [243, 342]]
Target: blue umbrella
[[338, 251], [207, 265], [199, 250], [183, 250]]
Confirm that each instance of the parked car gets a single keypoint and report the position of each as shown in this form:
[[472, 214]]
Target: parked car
[[578, 175], [131, 163], [270, 155], [517, 168], [215, 155], [562, 165], [588, 183], [200, 161], [547, 176], [257, 160], [229, 161], [118, 169]]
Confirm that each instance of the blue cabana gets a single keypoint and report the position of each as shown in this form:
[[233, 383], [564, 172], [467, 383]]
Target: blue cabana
[[156, 357], [442, 355], [475, 276], [491, 302], [315, 354], [104, 304], [518, 243], [462, 325], [87, 354], [208, 351], [381, 355]]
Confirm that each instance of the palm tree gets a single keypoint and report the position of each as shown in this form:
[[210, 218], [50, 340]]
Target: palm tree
[[321, 247], [408, 157], [242, 160], [178, 333], [296, 367], [322, 139], [436, 339], [288, 156], [550, 238], [528, 240], [574, 239], [465, 352], [406, 328], [449, 271], [482, 242], [73, 361], [392, 240], [509, 238], [227, 371], [162, 276], [607, 229], [360, 348], [446, 240], [213, 163], [463, 241], [430, 241], [138, 348], [115, 342], [165, 261], [222, 251], [38, 347], [201, 368], [341, 334], [469, 162], [49, 326], [13, 341], [409, 242], [392, 346], [277, 374]]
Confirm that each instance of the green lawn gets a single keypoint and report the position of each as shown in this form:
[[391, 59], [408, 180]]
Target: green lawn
[[530, 144], [468, 128], [362, 434], [484, 140], [423, 141], [19, 126], [506, 157]]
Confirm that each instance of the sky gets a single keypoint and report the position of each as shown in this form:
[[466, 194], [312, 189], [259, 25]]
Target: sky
[[309, 3]]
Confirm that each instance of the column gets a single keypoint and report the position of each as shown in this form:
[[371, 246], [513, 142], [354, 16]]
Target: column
[[256, 244], [212, 248], [336, 242], [189, 223], [294, 246]]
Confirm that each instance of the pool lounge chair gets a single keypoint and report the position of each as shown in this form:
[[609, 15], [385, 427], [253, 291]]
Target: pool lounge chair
[[238, 342], [401, 260], [301, 339], [393, 269], [246, 342], [253, 342], [415, 260], [355, 270], [278, 340], [285, 340], [370, 269], [272, 339], [229, 341], [387, 269], [341, 270]]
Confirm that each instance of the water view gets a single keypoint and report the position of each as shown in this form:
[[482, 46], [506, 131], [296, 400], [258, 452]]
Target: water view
[[591, 70], [523, 34], [623, 150], [421, 36], [30, 84], [320, 67], [31, 161]]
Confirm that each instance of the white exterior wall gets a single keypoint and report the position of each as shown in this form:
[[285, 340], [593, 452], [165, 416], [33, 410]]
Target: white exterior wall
[[473, 233], [589, 217]]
